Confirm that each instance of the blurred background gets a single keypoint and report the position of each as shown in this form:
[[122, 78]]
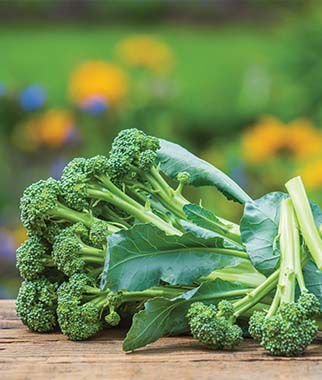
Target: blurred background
[[238, 82]]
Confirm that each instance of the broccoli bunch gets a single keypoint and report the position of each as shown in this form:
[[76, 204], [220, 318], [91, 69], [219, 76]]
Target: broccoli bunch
[[214, 326], [36, 304], [288, 327]]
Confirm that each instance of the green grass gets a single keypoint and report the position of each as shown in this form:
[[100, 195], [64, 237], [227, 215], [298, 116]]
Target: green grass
[[211, 62]]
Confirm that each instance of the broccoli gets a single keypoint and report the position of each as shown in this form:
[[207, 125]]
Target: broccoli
[[133, 161], [86, 181], [71, 254], [288, 327], [34, 258], [83, 309], [36, 304], [214, 326], [42, 202]]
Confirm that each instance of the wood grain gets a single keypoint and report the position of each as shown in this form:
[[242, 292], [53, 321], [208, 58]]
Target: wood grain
[[24, 355]]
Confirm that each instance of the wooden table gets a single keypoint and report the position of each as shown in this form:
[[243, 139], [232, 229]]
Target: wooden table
[[24, 355]]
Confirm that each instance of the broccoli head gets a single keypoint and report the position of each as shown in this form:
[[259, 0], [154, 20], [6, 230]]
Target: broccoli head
[[80, 307], [214, 326], [34, 258], [36, 304]]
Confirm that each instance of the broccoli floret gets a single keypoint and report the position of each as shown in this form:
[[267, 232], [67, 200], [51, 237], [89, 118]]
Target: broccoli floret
[[72, 255], [133, 161], [80, 307], [288, 327], [214, 326], [85, 182], [42, 203], [36, 304], [34, 258]]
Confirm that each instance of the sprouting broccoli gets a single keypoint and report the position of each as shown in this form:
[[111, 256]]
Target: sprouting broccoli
[[42, 202], [288, 327], [86, 181], [34, 258], [36, 304], [133, 161], [214, 326], [83, 309], [72, 252]]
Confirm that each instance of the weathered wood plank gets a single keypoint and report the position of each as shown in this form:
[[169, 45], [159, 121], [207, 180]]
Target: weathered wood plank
[[24, 355]]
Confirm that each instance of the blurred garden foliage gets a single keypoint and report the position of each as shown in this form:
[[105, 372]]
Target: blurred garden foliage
[[240, 88]]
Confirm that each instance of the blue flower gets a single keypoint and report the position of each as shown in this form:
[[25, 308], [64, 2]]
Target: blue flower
[[95, 105], [57, 168], [2, 89], [7, 246], [32, 97]]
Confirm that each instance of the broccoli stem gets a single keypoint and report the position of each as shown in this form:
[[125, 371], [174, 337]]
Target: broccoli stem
[[66, 213], [310, 232], [256, 295], [132, 207], [289, 248]]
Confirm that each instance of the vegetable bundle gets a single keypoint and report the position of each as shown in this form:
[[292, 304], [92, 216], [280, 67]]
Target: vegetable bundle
[[113, 241]]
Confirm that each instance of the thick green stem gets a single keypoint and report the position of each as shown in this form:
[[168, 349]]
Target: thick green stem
[[91, 251], [289, 241], [305, 218], [65, 213], [256, 295], [138, 211]]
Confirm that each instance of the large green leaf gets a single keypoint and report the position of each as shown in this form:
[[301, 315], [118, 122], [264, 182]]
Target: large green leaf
[[174, 158], [144, 255], [163, 317], [259, 230]]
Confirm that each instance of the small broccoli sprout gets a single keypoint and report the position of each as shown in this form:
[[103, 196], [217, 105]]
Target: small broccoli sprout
[[72, 255], [36, 304], [33, 258], [183, 177], [214, 326]]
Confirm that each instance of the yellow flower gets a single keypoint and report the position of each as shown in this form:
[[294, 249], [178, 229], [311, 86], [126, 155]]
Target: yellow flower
[[98, 79], [147, 52], [264, 141], [312, 174], [271, 138], [304, 140], [54, 127]]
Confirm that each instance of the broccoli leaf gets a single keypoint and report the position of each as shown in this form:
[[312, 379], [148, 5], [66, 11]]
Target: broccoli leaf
[[313, 280], [175, 159], [259, 231], [144, 255], [163, 317]]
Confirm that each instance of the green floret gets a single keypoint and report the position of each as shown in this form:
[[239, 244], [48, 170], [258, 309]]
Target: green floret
[[86, 182], [214, 326], [36, 304], [72, 255], [288, 327], [133, 162], [34, 258], [79, 308], [42, 203]]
